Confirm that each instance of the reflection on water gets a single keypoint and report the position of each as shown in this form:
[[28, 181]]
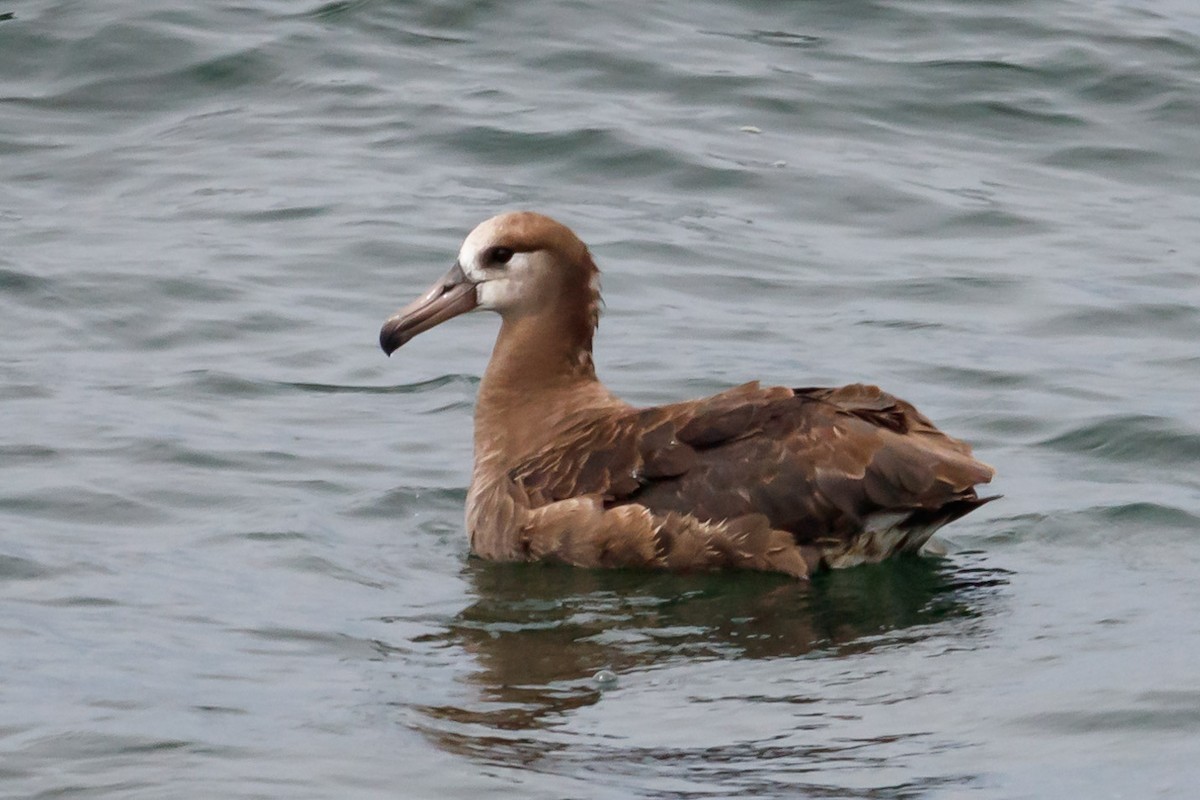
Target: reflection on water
[[538, 635]]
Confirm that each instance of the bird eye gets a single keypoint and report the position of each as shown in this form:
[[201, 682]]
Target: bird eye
[[501, 255]]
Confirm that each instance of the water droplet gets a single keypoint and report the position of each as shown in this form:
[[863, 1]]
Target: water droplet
[[605, 679]]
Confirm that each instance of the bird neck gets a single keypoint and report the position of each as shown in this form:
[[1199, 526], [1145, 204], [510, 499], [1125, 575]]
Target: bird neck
[[540, 379]]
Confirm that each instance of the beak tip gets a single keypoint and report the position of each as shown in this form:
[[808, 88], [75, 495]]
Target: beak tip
[[449, 297], [389, 339]]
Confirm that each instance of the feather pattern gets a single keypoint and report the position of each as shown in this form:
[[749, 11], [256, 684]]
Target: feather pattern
[[765, 478], [815, 470]]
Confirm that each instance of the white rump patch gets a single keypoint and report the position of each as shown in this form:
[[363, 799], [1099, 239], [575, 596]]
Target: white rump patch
[[883, 535]]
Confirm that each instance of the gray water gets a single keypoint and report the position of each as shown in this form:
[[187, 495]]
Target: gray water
[[232, 561]]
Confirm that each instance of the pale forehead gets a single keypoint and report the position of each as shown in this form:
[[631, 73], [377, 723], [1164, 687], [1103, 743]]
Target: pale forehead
[[484, 236]]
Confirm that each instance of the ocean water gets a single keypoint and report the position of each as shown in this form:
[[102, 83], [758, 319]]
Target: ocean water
[[232, 561]]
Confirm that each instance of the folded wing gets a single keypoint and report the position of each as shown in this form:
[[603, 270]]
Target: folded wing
[[851, 473]]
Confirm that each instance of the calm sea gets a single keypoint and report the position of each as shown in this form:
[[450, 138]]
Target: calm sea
[[232, 561]]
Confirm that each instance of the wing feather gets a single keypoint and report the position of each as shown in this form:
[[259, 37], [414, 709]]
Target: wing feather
[[814, 462]]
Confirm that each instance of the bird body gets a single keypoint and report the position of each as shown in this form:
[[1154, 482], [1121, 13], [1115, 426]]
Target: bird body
[[766, 478]]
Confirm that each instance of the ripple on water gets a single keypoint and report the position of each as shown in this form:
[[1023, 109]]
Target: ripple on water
[[1175, 320], [786, 39], [983, 290], [296, 640], [227, 384], [1132, 439], [1084, 527], [15, 568], [147, 66], [78, 745], [81, 601], [1165, 712], [1151, 515], [22, 284], [607, 152], [82, 506], [402, 502], [1112, 160], [978, 376], [28, 454]]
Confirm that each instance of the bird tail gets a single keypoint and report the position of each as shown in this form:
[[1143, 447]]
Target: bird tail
[[888, 533]]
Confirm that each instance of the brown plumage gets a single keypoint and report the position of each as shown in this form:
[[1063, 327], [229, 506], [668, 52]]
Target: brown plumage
[[775, 479]]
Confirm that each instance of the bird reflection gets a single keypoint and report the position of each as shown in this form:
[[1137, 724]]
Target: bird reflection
[[537, 635]]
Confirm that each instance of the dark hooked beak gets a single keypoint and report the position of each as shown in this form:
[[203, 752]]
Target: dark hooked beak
[[449, 297]]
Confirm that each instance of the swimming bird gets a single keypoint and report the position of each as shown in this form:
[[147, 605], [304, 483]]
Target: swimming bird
[[756, 477]]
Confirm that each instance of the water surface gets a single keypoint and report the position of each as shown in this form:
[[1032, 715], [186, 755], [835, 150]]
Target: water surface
[[231, 551]]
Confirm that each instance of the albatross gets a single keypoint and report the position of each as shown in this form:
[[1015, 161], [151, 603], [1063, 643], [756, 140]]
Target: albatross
[[756, 477]]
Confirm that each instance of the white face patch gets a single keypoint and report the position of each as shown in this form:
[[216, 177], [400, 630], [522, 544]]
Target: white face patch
[[524, 283], [472, 270], [503, 288], [474, 246], [495, 295]]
